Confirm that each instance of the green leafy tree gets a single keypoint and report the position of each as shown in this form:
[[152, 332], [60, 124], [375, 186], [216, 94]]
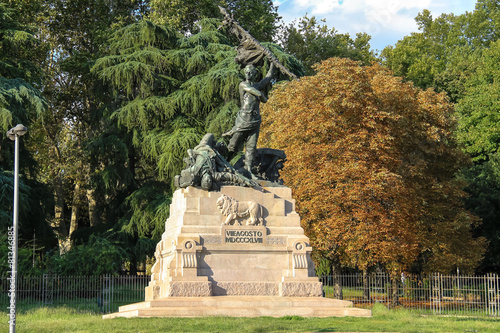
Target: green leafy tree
[[483, 200], [478, 109], [26, 266], [21, 102], [99, 255], [311, 42], [419, 57], [259, 17], [478, 131], [458, 55], [442, 54], [73, 32]]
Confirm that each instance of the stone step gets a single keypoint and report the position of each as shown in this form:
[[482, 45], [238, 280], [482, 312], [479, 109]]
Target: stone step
[[240, 301], [240, 312], [241, 306]]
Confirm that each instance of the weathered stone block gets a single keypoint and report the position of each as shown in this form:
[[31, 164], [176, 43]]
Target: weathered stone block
[[190, 289], [301, 289], [245, 241], [246, 288]]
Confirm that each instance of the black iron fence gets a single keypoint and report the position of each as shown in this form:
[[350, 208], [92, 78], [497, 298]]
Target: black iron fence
[[94, 294], [436, 293], [439, 294]]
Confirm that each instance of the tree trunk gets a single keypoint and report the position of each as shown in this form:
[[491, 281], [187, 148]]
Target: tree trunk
[[337, 283], [93, 216], [395, 291], [75, 216], [366, 285], [75, 210], [58, 223], [133, 266]]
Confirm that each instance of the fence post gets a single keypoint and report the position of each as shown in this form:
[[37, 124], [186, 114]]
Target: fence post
[[47, 290], [366, 287], [485, 290], [436, 286], [43, 290], [492, 294], [111, 294], [497, 295], [107, 293], [324, 283]]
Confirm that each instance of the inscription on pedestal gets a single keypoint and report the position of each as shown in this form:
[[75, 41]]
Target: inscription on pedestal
[[244, 235]]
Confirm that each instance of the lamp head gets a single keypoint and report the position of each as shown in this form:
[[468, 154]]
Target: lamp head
[[19, 130]]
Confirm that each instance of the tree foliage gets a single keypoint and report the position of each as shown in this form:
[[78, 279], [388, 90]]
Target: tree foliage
[[21, 102], [457, 54], [19, 99], [479, 133], [478, 109], [371, 161], [483, 200], [72, 33], [259, 17], [112, 102], [442, 54], [100, 255], [311, 42]]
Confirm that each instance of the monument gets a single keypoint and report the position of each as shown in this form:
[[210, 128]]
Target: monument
[[233, 244]]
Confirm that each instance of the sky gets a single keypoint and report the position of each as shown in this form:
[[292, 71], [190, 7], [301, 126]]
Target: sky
[[386, 21]]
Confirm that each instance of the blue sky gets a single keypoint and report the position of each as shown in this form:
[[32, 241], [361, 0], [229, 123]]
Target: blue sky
[[387, 21]]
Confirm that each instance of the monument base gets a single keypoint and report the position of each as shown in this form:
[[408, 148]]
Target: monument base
[[238, 241], [240, 306], [239, 252]]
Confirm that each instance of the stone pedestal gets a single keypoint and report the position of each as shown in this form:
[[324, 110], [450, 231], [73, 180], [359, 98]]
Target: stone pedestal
[[242, 257], [201, 256]]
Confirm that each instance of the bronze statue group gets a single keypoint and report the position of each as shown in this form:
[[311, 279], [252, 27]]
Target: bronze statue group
[[207, 164]]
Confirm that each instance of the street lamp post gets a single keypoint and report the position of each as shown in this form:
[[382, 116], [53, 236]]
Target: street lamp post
[[14, 134]]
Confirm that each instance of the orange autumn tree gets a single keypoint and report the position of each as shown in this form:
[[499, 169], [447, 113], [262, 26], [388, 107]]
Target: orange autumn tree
[[371, 161]]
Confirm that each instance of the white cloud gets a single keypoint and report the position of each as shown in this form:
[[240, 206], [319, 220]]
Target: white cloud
[[382, 19], [323, 7], [370, 15]]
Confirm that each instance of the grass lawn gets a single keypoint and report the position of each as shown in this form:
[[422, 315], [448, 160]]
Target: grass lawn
[[383, 320]]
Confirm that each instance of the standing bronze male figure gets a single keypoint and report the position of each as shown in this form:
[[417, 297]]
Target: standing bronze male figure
[[247, 125]]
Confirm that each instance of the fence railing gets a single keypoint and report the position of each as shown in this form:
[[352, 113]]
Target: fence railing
[[436, 293], [439, 294], [95, 294]]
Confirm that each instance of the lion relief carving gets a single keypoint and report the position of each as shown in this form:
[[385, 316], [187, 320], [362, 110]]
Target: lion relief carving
[[234, 210]]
